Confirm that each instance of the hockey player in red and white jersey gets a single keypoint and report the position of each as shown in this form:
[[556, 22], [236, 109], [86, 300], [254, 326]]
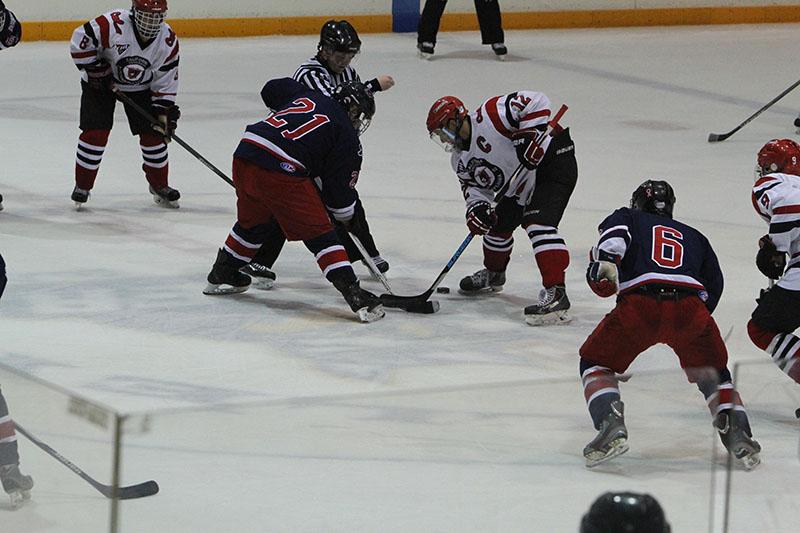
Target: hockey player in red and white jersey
[[488, 145], [776, 198], [135, 52]]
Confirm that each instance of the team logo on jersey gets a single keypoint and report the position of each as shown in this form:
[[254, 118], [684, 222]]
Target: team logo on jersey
[[288, 167], [483, 145], [485, 174], [121, 48], [132, 70]]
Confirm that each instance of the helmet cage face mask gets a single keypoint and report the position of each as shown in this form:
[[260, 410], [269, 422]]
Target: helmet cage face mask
[[148, 17], [358, 103]]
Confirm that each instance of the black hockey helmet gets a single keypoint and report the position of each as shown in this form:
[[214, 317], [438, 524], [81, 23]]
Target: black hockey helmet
[[358, 102], [654, 196], [339, 36], [625, 512]]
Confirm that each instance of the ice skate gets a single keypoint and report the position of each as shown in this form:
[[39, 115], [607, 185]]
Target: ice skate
[[611, 440], [17, 486], [735, 435], [166, 196], [366, 305], [500, 51], [262, 278], [552, 308], [225, 277], [1, 202], [80, 197], [425, 50], [482, 281]]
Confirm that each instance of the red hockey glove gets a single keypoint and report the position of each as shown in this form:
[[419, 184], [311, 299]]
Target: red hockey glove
[[99, 75], [602, 278], [529, 152], [769, 260], [481, 218], [167, 116]]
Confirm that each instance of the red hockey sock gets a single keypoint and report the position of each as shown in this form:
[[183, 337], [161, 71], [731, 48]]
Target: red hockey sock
[[156, 162], [552, 265], [91, 146], [497, 251]]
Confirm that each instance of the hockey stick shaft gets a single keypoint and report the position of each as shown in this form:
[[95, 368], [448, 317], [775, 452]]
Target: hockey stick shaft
[[717, 137], [148, 488], [373, 268], [139, 109], [392, 300]]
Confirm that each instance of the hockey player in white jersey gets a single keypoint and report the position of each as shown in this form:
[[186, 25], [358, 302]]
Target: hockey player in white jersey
[[329, 68], [488, 145], [135, 52], [776, 198]]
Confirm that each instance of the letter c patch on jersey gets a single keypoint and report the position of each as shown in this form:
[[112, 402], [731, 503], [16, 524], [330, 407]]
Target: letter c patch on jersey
[[483, 145]]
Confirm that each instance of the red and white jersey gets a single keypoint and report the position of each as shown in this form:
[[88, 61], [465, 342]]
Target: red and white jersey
[[487, 165], [135, 67], [776, 198]]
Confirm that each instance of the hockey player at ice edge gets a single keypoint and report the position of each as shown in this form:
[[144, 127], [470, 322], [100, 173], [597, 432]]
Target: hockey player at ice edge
[[308, 136], [668, 282], [487, 146], [338, 45], [136, 52], [10, 34], [776, 198]]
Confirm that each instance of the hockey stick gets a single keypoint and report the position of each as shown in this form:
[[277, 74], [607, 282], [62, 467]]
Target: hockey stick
[[141, 490], [425, 307], [139, 109], [716, 137], [392, 300]]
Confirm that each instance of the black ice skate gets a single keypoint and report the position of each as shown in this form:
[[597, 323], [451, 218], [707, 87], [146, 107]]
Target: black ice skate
[[366, 305], [166, 196], [500, 51], [735, 434], [262, 277], [611, 440], [17, 486], [1, 202], [80, 197], [425, 50], [482, 281], [552, 308], [225, 277]]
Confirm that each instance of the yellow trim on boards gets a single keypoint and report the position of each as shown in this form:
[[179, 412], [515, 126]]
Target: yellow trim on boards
[[243, 27]]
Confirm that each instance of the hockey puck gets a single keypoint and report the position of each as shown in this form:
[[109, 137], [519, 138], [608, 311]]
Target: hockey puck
[[443, 290]]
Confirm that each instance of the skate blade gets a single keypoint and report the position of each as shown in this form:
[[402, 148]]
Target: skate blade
[[18, 498], [161, 202], [749, 460], [214, 290], [501, 58], [485, 290], [262, 284], [618, 447], [78, 206], [556, 318], [423, 55], [366, 316]]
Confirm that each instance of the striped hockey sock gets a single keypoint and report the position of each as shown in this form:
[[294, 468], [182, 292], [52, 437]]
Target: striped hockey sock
[[784, 348], [89, 155], [600, 388], [550, 251], [156, 161], [331, 257], [497, 251]]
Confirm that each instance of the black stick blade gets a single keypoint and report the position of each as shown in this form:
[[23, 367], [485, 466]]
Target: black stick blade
[[716, 137], [427, 307], [132, 492]]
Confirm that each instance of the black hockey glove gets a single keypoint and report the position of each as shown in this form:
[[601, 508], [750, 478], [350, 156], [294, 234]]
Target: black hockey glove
[[529, 152], [769, 260], [481, 218], [167, 116], [99, 74]]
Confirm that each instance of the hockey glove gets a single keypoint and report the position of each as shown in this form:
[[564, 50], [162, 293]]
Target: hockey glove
[[167, 116], [481, 218], [602, 278], [99, 76], [529, 152], [769, 260]]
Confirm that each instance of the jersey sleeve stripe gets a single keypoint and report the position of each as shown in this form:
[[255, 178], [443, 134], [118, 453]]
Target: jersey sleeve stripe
[[776, 228], [102, 23], [491, 110], [174, 51], [82, 55], [786, 209], [169, 66], [89, 31]]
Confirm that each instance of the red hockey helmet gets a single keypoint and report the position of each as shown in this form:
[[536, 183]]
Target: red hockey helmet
[[779, 155], [148, 15], [442, 111]]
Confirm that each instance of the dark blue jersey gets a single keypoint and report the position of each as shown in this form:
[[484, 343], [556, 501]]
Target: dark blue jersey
[[653, 249], [10, 28], [307, 135]]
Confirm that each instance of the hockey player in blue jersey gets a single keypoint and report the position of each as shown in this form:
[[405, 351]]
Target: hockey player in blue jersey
[[308, 137], [668, 282]]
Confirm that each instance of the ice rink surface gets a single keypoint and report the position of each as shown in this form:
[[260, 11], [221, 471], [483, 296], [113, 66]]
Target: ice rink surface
[[278, 411]]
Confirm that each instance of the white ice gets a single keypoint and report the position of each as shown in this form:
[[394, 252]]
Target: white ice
[[288, 415]]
